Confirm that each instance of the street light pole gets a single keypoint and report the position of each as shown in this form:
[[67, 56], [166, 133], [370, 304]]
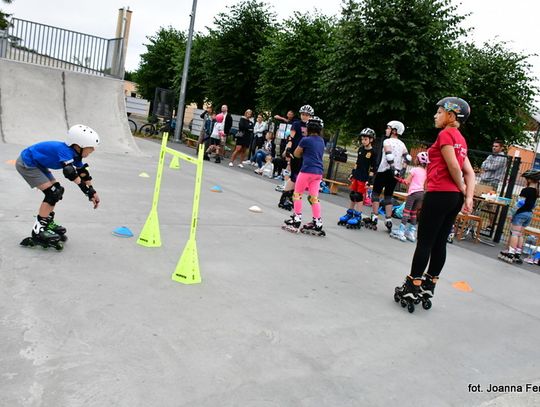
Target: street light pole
[[183, 85]]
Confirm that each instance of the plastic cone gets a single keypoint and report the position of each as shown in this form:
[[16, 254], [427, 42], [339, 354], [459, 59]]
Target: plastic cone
[[187, 268], [144, 175], [216, 188], [462, 286], [175, 163], [150, 236], [122, 231], [12, 162], [255, 209]]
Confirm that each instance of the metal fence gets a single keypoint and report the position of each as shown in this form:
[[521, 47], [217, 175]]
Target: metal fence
[[41, 44]]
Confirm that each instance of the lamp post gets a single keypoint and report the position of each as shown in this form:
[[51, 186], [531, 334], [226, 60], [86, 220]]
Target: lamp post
[[183, 85]]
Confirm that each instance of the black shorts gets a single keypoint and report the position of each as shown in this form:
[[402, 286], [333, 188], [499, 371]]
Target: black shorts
[[385, 180], [215, 141], [244, 141]]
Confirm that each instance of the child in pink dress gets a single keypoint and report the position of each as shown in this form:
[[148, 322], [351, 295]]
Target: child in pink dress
[[415, 196]]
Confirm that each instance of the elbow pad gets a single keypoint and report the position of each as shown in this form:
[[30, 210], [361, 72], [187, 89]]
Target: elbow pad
[[70, 172], [84, 174], [389, 158], [407, 158]]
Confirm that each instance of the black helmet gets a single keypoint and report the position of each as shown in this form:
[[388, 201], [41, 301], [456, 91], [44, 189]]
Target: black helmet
[[367, 132], [315, 124], [532, 174], [458, 106]]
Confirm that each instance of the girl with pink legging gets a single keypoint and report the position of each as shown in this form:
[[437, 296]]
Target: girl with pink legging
[[311, 149]]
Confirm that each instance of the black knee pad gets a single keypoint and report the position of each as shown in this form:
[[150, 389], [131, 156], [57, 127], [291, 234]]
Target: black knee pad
[[53, 194], [355, 196]]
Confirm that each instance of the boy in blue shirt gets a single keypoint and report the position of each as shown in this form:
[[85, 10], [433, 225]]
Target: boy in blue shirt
[[34, 165]]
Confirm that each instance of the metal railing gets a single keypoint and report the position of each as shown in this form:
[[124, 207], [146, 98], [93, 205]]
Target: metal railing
[[41, 44]]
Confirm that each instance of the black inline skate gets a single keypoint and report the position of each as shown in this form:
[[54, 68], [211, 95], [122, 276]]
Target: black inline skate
[[356, 221], [313, 228], [41, 236], [345, 218], [407, 294], [517, 258], [293, 223], [388, 224], [371, 222], [506, 256], [285, 202], [427, 290], [56, 228]]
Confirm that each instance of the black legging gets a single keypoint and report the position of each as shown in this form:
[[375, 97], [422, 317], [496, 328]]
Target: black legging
[[439, 212]]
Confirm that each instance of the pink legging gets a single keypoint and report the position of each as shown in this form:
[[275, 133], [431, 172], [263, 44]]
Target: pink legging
[[311, 183]]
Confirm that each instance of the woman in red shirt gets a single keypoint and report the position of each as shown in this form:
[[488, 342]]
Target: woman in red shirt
[[446, 194]]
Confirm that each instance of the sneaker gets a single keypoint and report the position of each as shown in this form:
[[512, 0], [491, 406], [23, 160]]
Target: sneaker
[[231, 164], [254, 163], [218, 160], [280, 188], [240, 166], [247, 162]]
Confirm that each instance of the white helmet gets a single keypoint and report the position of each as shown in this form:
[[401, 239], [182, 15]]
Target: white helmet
[[307, 109], [83, 136], [397, 126]]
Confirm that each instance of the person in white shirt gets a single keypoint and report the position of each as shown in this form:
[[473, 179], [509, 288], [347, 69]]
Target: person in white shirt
[[394, 160]]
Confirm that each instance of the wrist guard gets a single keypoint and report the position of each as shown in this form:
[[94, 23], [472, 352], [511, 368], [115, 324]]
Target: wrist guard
[[89, 191], [83, 173]]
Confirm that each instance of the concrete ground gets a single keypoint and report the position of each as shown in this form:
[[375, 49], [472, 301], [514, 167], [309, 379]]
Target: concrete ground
[[278, 320]]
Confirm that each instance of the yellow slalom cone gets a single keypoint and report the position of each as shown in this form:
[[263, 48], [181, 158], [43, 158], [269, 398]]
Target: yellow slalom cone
[[150, 236], [175, 163], [187, 269]]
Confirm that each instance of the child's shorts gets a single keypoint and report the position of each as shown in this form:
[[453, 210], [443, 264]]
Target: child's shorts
[[522, 219], [358, 186], [33, 175], [215, 141]]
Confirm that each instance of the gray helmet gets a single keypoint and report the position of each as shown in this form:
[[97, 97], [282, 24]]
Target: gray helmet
[[456, 105], [367, 132], [307, 109], [532, 174]]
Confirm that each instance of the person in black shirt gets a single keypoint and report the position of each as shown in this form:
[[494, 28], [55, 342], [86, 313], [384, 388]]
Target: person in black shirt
[[522, 216], [362, 174]]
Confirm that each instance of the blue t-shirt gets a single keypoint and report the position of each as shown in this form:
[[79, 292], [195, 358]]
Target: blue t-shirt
[[313, 154], [50, 154]]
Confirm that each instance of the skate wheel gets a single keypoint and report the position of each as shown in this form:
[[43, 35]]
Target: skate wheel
[[63, 238], [396, 297], [403, 303], [410, 308], [426, 304], [28, 242], [59, 246]]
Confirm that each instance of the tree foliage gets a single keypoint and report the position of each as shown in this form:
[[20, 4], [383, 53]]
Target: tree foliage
[[499, 87], [233, 48], [4, 23], [157, 67], [390, 60], [292, 62]]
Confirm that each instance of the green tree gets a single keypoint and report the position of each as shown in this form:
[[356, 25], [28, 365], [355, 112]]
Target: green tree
[[232, 54], [499, 87], [391, 60], [292, 62], [4, 17], [199, 68], [157, 66]]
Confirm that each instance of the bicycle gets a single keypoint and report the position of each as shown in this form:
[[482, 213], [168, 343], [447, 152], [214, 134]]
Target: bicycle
[[132, 126], [149, 129]]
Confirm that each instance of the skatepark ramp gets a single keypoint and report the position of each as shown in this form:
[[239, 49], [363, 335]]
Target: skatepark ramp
[[40, 103]]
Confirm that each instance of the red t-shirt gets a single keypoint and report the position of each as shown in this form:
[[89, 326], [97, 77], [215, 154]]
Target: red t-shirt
[[438, 176]]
